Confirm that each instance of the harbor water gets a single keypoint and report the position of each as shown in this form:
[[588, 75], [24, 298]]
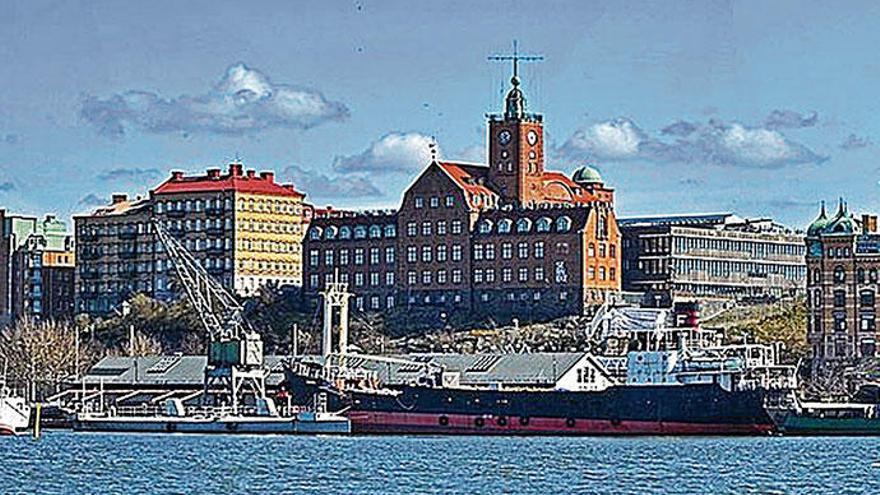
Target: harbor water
[[68, 463]]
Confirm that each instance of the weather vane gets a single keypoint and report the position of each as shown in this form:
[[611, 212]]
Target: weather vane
[[516, 58]]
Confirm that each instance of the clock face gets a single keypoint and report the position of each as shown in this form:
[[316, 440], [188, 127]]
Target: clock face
[[532, 137], [504, 137]]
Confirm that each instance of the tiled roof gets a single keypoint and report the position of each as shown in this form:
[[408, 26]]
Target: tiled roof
[[468, 177], [234, 180]]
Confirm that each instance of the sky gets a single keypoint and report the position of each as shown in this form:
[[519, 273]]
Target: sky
[[759, 108]]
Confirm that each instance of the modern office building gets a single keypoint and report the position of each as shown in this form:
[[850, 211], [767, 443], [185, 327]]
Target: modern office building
[[711, 256]]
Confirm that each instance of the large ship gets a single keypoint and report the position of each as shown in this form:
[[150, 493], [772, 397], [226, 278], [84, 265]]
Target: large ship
[[673, 380]]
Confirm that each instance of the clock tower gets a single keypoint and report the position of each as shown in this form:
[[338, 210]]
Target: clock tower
[[516, 145]]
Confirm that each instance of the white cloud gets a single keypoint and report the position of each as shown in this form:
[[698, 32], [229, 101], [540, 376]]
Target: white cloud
[[393, 153], [323, 186], [243, 101], [715, 142]]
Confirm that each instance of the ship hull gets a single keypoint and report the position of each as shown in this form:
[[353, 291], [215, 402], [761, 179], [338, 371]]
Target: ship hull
[[624, 410]]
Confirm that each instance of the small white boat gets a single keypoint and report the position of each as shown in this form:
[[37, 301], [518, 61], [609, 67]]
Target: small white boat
[[15, 413], [177, 419]]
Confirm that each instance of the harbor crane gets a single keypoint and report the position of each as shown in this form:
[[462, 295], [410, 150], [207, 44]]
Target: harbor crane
[[235, 349]]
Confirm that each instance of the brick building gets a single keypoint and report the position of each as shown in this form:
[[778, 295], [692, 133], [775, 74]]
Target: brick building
[[507, 238], [245, 228], [843, 262]]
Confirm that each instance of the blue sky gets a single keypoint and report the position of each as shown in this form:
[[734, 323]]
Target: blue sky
[[762, 108]]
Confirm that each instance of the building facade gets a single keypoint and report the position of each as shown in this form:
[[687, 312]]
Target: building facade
[[711, 256], [43, 273], [245, 228], [843, 259], [506, 238]]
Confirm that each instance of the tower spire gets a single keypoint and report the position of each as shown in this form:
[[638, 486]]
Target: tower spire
[[516, 104]]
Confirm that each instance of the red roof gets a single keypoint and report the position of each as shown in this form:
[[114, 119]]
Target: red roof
[[468, 176], [579, 193], [234, 180]]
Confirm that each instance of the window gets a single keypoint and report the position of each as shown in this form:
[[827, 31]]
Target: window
[[867, 323], [313, 257], [591, 273], [613, 273], [343, 256], [419, 202], [522, 250], [441, 253], [456, 276], [441, 277], [315, 233], [490, 275], [563, 224], [478, 276], [523, 225], [411, 278], [543, 224], [450, 201], [523, 274], [601, 273], [389, 254], [426, 228], [313, 281], [506, 251], [411, 229], [840, 321], [359, 279], [539, 274], [456, 226], [390, 230], [612, 251], [867, 298], [389, 302], [389, 278], [330, 233], [374, 256], [441, 227], [591, 250], [359, 256], [435, 202], [328, 257], [539, 249], [374, 279], [478, 252], [506, 274], [602, 250], [426, 277], [426, 254], [504, 226], [489, 251], [412, 254], [375, 231], [456, 252], [485, 227], [839, 275], [360, 232], [839, 298]]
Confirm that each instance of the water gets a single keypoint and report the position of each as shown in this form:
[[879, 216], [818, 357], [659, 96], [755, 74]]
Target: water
[[64, 462]]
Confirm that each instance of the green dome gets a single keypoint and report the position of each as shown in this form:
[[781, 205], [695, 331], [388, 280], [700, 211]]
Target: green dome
[[842, 223], [587, 175], [818, 224]]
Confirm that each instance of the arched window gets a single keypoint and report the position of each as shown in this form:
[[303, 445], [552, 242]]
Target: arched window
[[563, 224], [485, 226], [390, 230], [504, 226], [839, 274], [543, 224], [523, 225], [315, 233], [330, 232], [345, 232], [360, 232], [375, 232]]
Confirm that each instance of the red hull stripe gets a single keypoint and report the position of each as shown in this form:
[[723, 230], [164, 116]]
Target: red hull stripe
[[6, 430], [463, 424]]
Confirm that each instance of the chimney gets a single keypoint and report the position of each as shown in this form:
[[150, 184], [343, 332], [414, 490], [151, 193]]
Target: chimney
[[118, 198], [869, 223], [214, 173], [251, 174], [176, 175], [267, 176], [235, 169]]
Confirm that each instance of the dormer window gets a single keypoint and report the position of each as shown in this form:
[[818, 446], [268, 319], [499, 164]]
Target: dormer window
[[504, 226], [315, 233], [563, 224], [543, 224], [485, 227], [420, 202], [523, 225], [360, 232], [345, 232]]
